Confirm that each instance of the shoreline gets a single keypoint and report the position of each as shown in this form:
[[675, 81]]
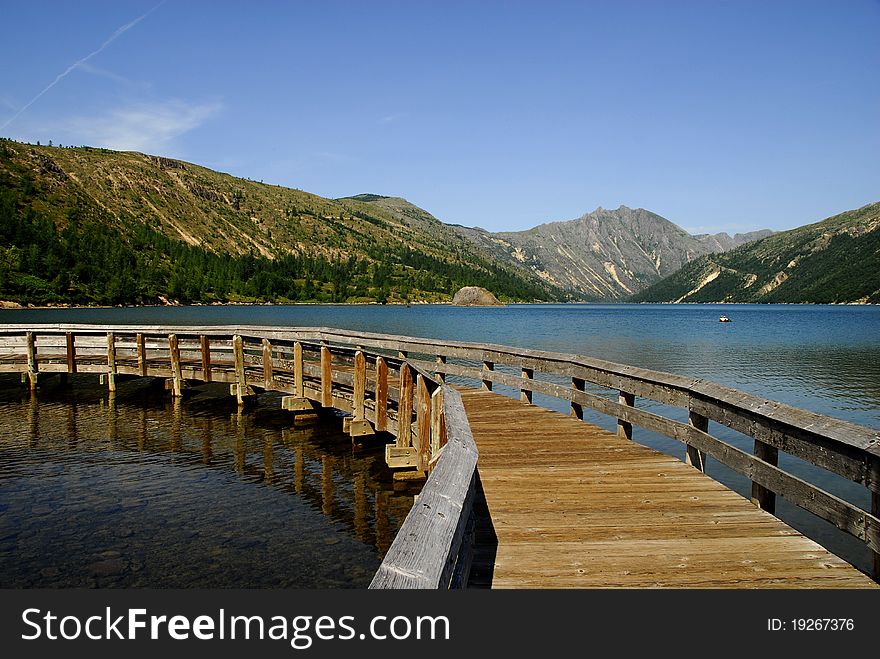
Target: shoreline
[[6, 305]]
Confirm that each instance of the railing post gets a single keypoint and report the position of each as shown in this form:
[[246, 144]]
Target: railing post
[[360, 385], [625, 428], [404, 407], [694, 457], [33, 367], [525, 395], [441, 375], [423, 422], [577, 409], [762, 497], [488, 367], [298, 370], [268, 376], [240, 377], [326, 377], [381, 394], [436, 413], [111, 362], [176, 376], [71, 352], [141, 343], [875, 511], [205, 350]]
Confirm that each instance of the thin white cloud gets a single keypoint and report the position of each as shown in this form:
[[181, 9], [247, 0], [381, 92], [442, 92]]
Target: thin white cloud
[[113, 37], [89, 68], [150, 127]]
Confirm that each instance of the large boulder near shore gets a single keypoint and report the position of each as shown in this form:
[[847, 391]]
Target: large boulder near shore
[[474, 296]]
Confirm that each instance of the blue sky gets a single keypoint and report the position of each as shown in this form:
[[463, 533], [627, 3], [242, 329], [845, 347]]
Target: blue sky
[[720, 116]]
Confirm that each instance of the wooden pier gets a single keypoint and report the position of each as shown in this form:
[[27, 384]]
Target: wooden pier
[[518, 495]]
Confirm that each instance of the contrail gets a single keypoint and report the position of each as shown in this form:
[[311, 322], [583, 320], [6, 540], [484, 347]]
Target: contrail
[[113, 37]]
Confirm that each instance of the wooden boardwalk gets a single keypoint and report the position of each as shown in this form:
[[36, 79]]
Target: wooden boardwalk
[[572, 506]]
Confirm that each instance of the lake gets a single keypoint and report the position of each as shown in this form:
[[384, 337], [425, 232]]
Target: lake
[[822, 358]]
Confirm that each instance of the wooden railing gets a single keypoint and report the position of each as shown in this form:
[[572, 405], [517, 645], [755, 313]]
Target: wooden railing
[[839, 447]]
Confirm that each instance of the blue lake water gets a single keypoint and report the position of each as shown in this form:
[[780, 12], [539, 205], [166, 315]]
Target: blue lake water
[[822, 358]]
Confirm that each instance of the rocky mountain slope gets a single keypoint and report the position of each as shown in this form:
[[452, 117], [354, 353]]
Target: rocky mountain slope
[[835, 260], [184, 231], [606, 254]]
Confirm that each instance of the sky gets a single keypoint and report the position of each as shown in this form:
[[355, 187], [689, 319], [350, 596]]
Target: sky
[[718, 115]]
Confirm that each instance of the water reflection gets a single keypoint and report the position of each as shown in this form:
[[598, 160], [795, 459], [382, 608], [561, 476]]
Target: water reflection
[[141, 490]]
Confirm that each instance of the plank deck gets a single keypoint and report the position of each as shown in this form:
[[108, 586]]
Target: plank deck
[[566, 504]]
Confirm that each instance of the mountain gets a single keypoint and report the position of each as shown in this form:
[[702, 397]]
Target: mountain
[[723, 242], [87, 225], [835, 260], [606, 254]]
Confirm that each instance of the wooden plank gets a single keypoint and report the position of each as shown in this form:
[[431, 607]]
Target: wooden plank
[[405, 407], [205, 351], [762, 497], [70, 340], [423, 421], [624, 427], [268, 376], [381, 394], [694, 457], [326, 377]]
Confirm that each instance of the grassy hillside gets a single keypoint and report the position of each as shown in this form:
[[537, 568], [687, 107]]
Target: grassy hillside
[[85, 225], [833, 261]]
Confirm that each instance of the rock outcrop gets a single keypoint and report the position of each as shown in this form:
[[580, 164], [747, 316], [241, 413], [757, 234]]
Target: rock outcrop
[[474, 296]]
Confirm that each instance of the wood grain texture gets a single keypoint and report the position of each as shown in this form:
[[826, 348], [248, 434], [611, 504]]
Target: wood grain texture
[[573, 506]]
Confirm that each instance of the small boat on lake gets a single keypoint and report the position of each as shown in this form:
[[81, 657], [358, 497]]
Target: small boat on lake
[[724, 319]]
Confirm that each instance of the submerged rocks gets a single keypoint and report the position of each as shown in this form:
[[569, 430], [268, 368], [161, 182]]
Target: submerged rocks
[[475, 296]]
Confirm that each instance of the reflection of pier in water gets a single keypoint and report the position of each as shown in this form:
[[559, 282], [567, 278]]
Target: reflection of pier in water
[[313, 460]]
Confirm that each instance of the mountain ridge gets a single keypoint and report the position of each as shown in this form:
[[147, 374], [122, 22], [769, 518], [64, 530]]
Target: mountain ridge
[[835, 260]]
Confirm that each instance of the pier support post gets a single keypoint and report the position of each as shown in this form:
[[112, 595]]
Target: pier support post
[[176, 375], [298, 387], [359, 425], [381, 394], [577, 409], [525, 395], [141, 343], [268, 376], [241, 387], [33, 368], [625, 428], [111, 362], [441, 374], [71, 352], [423, 422], [326, 377], [488, 367], [694, 457], [762, 497], [404, 407], [205, 350]]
